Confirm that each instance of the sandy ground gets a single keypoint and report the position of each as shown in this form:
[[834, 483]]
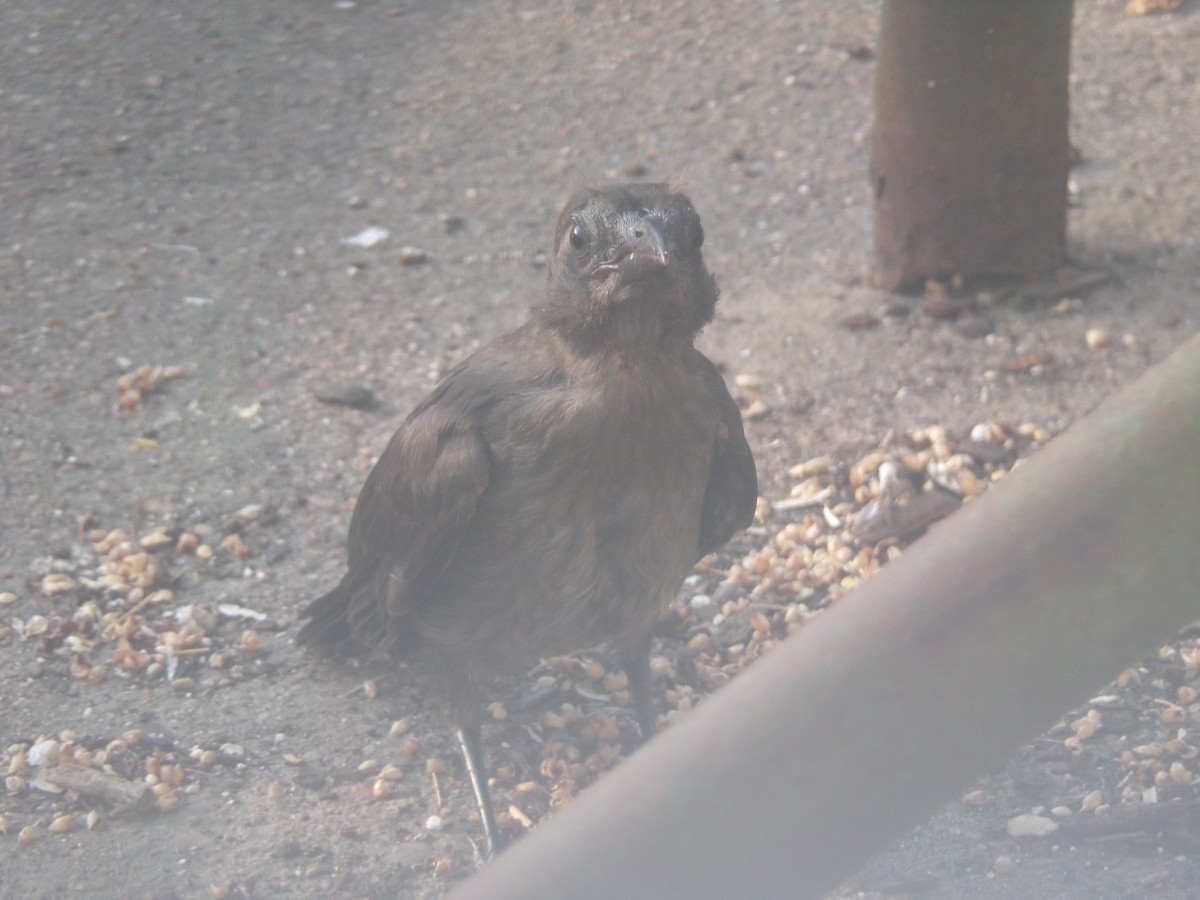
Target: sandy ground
[[176, 183]]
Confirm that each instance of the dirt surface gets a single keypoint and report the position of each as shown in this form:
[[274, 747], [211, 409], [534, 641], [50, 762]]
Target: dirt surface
[[177, 182]]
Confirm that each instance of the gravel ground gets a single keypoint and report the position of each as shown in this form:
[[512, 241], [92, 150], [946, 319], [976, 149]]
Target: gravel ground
[[178, 182]]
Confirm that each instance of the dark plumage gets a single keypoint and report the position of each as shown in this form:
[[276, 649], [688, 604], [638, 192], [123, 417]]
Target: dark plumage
[[557, 486]]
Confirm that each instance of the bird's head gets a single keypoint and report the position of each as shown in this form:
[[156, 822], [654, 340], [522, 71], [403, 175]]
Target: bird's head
[[627, 267]]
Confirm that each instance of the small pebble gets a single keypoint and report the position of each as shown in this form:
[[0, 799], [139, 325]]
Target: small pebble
[[43, 753], [976, 798], [355, 396], [1029, 825], [412, 256]]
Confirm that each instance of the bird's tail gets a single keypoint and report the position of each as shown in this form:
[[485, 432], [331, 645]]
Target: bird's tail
[[350, 620], [328, 625]]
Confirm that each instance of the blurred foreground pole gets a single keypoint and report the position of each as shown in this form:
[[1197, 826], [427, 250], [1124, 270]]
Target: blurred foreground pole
[[970, 151], [888, 705]]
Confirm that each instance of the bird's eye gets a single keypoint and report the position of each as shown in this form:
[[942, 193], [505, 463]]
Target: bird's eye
[[578, 237]]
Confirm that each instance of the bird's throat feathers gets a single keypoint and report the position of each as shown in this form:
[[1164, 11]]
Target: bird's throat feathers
[[656, 313]]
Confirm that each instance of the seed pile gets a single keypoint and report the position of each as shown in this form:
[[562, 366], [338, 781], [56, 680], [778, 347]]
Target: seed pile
[[116, 608], [70, 781], [110, 609]]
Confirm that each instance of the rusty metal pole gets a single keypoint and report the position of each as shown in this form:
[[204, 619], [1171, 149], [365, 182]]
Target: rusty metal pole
[[853, 731], [970, 152]]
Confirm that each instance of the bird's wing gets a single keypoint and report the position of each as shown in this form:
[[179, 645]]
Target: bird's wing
[[731, 494], [423, 490], [410, 516], [420, 497]]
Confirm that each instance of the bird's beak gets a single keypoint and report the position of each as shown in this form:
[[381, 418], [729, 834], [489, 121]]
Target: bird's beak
[[647, 242], [643, 244]]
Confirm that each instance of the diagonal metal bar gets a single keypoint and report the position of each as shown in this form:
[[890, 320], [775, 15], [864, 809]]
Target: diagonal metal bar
[[850, 733]]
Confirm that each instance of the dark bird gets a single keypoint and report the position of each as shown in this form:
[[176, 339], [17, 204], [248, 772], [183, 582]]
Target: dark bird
[[557, 486]]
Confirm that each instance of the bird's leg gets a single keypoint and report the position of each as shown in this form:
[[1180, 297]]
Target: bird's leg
[[636, 663], [470, 740], [466, 715]]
